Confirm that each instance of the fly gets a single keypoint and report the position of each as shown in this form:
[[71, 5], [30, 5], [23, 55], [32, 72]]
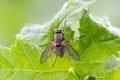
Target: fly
[[58, 46]]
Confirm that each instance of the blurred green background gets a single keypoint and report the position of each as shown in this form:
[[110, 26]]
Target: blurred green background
[[14, 14]]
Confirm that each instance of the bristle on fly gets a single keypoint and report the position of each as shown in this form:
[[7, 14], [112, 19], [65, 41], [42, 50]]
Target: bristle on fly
[[57, 23]]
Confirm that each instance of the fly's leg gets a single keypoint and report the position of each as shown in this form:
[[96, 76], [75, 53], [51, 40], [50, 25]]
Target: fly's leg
[[54, 61], [64, 26], [43, 45], [77, 38]]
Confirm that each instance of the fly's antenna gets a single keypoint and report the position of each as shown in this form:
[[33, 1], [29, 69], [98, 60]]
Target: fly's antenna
[[57, 23], [54, 61]]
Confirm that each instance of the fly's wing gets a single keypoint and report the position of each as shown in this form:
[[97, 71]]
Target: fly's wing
[[71, 51], [47, 52]]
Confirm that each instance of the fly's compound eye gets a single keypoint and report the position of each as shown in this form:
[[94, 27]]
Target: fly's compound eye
[[58, 31]]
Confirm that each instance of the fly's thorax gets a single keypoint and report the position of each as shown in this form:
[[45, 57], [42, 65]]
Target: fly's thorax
[[58, 36]]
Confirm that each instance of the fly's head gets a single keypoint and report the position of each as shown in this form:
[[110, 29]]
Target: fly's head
[[58, 31], [58, 36]]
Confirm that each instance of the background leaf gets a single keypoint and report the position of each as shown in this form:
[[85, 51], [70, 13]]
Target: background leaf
[[99, 49]]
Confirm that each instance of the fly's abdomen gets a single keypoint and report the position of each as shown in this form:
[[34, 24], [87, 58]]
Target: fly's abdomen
[[59, 49]]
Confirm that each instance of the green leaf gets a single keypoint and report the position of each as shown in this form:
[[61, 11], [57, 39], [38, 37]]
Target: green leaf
[[98, 47]]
